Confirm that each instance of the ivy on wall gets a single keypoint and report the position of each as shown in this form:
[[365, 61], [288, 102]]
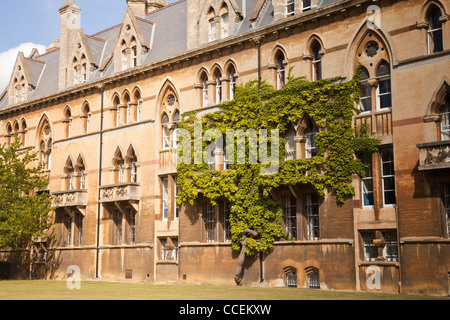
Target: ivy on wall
[[329, 103]]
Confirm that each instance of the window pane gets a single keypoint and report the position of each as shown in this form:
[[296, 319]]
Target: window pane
[[385, 93]]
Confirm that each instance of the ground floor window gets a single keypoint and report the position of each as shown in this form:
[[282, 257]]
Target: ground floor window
[[370, 250], [312, 216], [290, 210], [447, 209], [210, 222], [291, 279], [169, 249]]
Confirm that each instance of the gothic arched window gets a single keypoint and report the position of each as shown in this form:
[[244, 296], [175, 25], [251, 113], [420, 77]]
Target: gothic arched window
[[384, 98], [435, 36]]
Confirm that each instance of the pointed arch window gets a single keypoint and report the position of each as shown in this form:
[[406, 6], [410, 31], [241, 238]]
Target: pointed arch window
[[76, 72], [86, 115], [80, 169], [24, 132], [232, 74], [365, 103], [132, 164], [70, 177], [119, 170], [68, 122], [225, 25], [49, 157], [42, 154], [316, 52], [281, 71], [218, 83], [434, 33], [445, 119], [138, 102], [204, 84], [166, 132], [384, 97], [9, 133], [290, 146], [175, 135], [310, 145]]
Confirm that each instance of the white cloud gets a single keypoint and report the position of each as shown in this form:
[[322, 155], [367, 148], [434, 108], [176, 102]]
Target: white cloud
[[8, 58]]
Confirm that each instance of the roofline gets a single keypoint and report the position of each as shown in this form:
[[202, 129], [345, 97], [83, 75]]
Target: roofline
[[251, 36]]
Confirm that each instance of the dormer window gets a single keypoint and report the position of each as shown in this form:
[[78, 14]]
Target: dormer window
[[124, 60], [211, 16], [134, 60], [76, 73], [212, 30], [306, 5], [290, 8], [225, 26]]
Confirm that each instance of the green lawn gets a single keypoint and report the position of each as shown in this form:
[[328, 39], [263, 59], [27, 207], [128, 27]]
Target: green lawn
[[57, 290]]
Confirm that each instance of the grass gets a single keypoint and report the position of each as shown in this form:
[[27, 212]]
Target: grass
[[58, 290]]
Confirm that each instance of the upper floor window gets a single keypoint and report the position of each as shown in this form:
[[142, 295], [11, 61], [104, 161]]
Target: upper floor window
[[225, 25], [86, 116], [435, 36], [367, 182], [204, 86], [76, 72], [212, 30], [290, 8], [134, 59], [280, 61], [166, 132], [68, 122], [316, 60], [310, 146], [9, 133], [388, 176], [384, 99], [218, 83], [84, 70], [306, 5], [365, 103], [165, 199], [291, 153], [445, 120]]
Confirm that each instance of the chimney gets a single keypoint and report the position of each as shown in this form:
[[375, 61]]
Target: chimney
[[70, 24], [153, 5], [138, 7]]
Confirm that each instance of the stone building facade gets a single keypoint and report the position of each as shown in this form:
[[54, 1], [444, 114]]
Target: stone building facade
[[102, 111]]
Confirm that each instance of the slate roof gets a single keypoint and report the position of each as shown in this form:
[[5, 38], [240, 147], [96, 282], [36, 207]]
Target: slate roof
[[165, 32]]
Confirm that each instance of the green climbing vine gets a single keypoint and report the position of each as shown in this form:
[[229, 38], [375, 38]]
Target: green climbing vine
[[330, 104]]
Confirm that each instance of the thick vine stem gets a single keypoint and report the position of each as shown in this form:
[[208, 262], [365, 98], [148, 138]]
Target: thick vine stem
[[238, 274]]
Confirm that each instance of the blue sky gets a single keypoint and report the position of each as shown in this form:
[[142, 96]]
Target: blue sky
[[37, 21], [28, 24]]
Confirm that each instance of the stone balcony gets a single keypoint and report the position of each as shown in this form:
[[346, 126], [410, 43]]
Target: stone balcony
[[72, 198], [379, 122], [434, 155], [120, 192]]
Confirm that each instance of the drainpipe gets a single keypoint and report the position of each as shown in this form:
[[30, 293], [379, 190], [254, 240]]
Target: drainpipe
[[259, 64], [101, 87], [259, 87]]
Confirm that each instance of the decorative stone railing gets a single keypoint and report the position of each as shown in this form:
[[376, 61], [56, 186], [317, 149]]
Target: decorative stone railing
[[120, 192], [434, 155], [72, 198], [379, 122]]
